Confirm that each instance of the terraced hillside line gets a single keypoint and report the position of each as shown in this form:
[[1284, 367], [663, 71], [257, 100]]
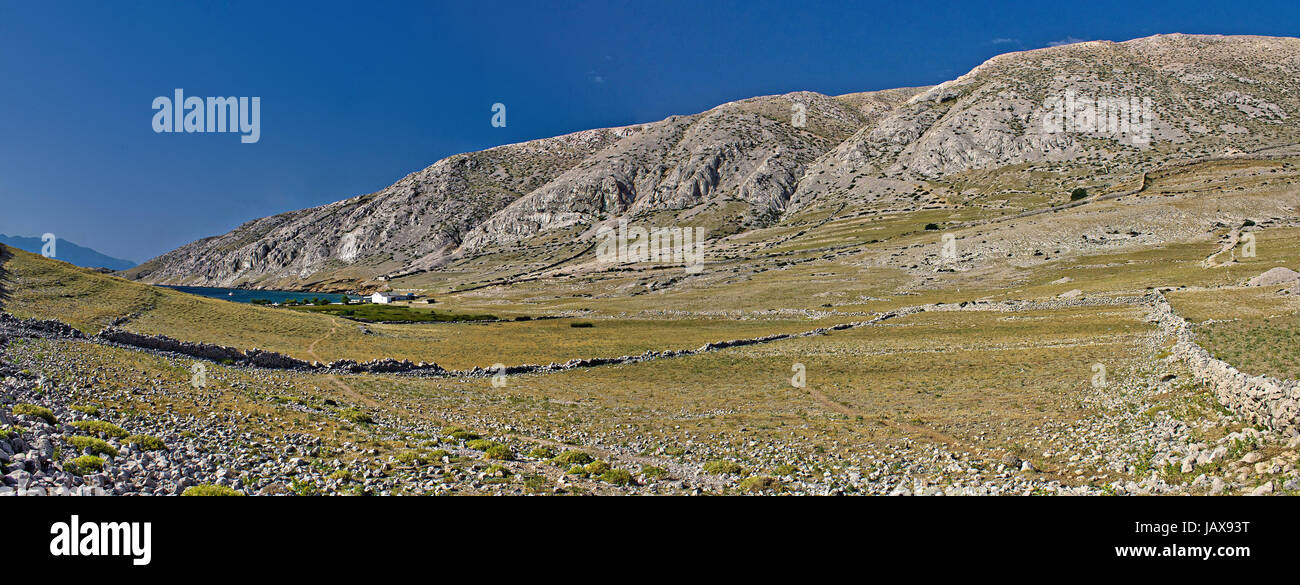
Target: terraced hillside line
[[1234, 237], [805, 231], [256, 358], [527, 276]]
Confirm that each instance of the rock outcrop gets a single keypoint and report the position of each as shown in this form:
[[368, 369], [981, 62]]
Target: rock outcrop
[[751, 163]]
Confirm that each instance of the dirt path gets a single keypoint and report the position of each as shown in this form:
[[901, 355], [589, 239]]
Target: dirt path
[[1234, 237], [340, 384]]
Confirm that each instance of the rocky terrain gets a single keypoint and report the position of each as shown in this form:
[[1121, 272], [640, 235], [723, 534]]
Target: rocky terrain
[[61, 436], [919, 291], [769, 160]]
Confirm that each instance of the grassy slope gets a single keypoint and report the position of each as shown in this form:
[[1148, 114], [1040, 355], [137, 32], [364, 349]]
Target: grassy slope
[[53, 290]]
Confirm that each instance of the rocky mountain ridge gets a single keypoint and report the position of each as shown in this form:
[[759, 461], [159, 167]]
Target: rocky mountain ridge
[[757, 162]]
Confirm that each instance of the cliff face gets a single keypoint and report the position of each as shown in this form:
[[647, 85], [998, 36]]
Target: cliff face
[[753, 162]]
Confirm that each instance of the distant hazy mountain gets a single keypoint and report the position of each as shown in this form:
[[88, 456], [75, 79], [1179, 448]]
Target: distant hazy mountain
[[69, 252]]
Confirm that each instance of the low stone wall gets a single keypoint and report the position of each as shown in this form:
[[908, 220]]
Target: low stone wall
[[38, 327], [258, 357], [205, 351], [1261, 400]]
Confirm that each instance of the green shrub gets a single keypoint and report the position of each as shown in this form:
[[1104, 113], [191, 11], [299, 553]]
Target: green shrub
[[616, 477], [461, 434], [481, 444], [572, 458], [36, 411], [84, 464], [86, 409], [652, 472], [596, 467], [342, 474], [438, 454], [541, 453], [304, 488], [208, 489], [146, 443], [496, 470], [759, 483], [96, 427], [931, 226], [786, 469], [500, 452], [1078, 193], [413, 458], [357, 416], [722, 467], [95, 445]]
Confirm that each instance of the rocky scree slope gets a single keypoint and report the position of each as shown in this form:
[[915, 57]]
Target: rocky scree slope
[[745, 164]]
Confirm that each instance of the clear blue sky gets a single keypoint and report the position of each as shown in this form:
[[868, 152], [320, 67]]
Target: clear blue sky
[[356, 95]]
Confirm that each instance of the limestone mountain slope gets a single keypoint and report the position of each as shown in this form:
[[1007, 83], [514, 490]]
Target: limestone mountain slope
[[409, 224], [774, 160]]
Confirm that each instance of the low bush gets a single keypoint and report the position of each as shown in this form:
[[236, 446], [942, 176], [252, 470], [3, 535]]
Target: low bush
[[146, 443], [759, 483], [500, 453], [652, 472], [25, 409], [541, 453], [462, 435], [722, 467], [210, 490], [616, 477], [481, 444], [572, 458], [357, 416], [84, 464], [98, 427], [94, 445]]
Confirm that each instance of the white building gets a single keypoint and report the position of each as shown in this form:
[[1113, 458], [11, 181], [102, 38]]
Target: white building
[[383, 298]]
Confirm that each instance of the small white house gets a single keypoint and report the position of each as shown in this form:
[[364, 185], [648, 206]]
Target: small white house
[[383, 298]]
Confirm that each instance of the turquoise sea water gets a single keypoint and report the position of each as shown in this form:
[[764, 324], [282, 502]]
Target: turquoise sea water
[[240, 295]]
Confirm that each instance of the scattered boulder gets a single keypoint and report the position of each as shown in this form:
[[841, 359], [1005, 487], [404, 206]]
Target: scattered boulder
[[1280, 276]]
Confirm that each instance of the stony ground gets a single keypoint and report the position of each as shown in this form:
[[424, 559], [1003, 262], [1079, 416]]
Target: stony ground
[[1153, 432]]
